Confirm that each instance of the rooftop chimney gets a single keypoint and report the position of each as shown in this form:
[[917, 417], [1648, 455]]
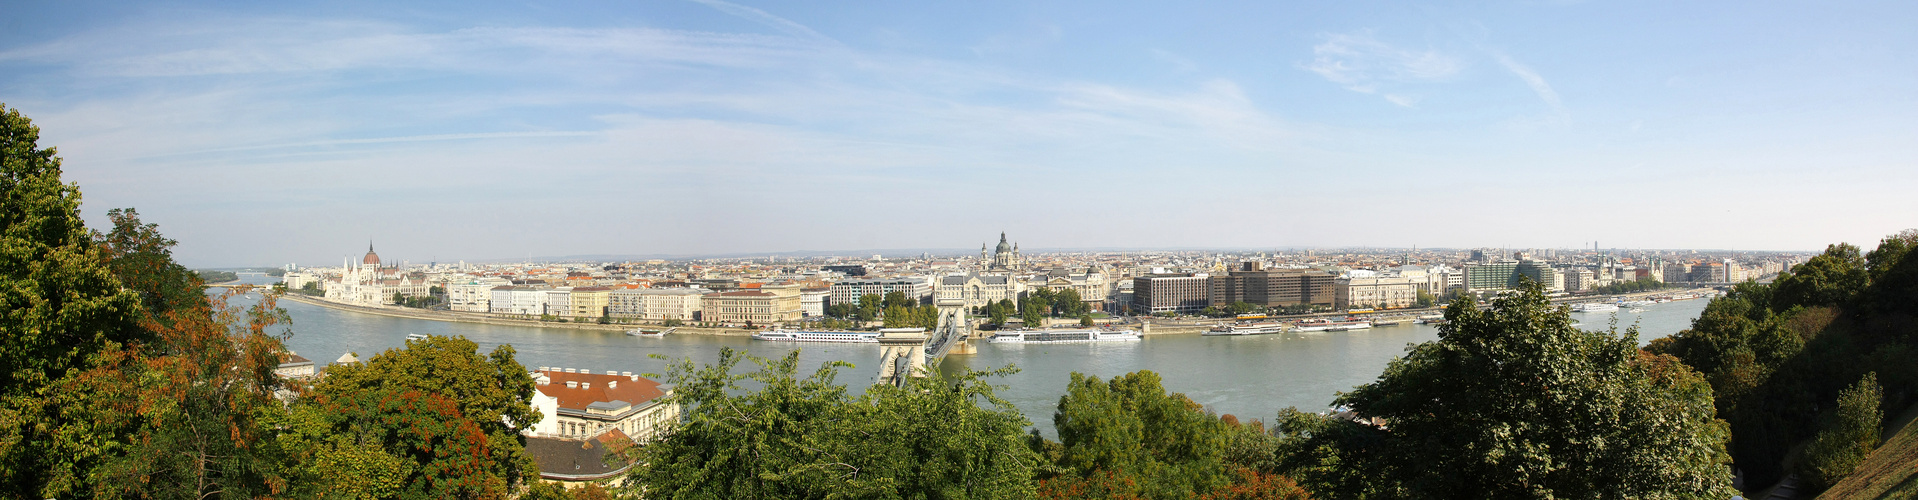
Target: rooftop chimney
[[585, 385], [612, 384], [571, 384]]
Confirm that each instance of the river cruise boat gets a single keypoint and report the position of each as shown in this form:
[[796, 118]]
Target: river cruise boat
[[1064, 336], [1430, 319], [1595, 307], [818, 336], [649, 332], [1264, 328], [1340, 326], [1312, 325]]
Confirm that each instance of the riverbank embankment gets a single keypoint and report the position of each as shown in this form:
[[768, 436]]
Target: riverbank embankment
[[457, 317]]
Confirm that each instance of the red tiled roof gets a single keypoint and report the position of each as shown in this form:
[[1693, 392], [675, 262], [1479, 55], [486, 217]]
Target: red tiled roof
[[634, 390]]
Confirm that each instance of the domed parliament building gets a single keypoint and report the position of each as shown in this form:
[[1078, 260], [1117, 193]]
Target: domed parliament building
[[371, 284]]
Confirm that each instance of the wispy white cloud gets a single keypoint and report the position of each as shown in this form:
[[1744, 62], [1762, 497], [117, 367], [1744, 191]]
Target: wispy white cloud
[[1537, 83], [1363, 63], [762, 17], [306, 113]]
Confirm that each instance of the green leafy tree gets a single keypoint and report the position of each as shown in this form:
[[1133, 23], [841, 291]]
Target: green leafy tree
[[1828, 279], [1035, 313], [1130, 426], [1241, 307], [996, 314], [1068, 303], [63, 308], [479, 403], [870, 306], [1848, 436], [1514, 402], [898, 298], [1085, 320], [790, 437], [1894, 274], [142, 260], [1425, 299]]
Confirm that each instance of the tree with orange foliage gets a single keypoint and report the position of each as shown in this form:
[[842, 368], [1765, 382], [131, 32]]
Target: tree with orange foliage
[[200, 400]]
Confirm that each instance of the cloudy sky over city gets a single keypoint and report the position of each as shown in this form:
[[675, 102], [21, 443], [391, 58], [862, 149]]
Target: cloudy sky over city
[[261, 133]]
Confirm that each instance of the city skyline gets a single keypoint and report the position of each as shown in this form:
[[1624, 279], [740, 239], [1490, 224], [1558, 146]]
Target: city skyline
[[266, 134]]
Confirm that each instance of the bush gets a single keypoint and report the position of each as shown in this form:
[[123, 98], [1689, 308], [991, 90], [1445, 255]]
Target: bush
[[1848, 437]]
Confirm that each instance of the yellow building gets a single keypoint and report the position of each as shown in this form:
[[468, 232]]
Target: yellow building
[[589, 301], [765, 306]]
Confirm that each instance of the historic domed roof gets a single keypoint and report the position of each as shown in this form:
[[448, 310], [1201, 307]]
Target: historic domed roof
[[1003, 246], [371, 259]]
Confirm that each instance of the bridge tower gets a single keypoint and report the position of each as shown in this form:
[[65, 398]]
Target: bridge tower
[[910, 354], [952, 313], [902, 355]]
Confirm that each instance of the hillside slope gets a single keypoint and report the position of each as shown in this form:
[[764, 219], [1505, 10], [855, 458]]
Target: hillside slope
[[1891, 472]]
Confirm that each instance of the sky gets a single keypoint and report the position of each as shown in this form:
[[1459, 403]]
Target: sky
[[266, 133]]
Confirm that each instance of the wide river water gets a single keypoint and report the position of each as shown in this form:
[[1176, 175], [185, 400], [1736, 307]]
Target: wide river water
[[1252, 377]]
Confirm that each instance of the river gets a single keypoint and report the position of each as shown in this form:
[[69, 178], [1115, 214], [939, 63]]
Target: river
[[1251, 377]]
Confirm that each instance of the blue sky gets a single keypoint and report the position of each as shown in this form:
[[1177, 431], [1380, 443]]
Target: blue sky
[[260, 133]]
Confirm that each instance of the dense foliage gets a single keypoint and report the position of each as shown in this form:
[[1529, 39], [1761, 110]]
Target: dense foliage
[[938, 437], [1514, 402], [1779, 355], [64, 313], [1847, 436], [1129, 438]]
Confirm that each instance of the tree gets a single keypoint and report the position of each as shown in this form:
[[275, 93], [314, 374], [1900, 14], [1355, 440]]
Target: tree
[[142, 259], [898, 298], [1068, 303], [1828, 279], [1085, 320], [1894, 274], [1035, 313], [1425, 299], [1240, 307], [1513, 401], [1848, 436], [869, 307], [790, 437], [64, 308], [477, 405], [204, 406], [996, 314], [1132, 428]]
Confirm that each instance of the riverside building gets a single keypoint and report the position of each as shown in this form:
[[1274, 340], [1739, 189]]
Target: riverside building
[[1253, 284], [655, 304], [765, 306], [1171, 293], [849, 291]]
